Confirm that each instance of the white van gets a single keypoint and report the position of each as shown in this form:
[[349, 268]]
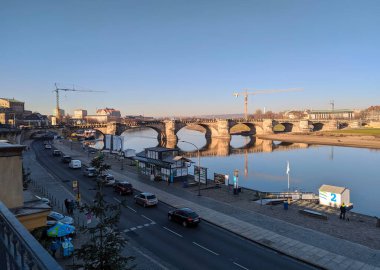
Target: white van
[[75, 164]]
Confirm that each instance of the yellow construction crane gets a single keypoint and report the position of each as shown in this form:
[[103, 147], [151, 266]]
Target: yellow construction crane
[[258, 92], [58, 116]]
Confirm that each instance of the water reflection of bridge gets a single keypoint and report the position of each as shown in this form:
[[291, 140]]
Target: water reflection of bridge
[[222, 147]]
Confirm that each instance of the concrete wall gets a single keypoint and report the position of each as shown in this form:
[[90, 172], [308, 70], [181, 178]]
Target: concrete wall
[[11, 190]]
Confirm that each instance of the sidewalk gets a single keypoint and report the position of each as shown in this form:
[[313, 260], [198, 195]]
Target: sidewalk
[[308, 245]]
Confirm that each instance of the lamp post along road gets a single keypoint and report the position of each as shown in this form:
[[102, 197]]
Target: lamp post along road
[[199, 166]]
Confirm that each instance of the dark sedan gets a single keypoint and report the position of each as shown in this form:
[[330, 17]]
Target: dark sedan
[[66, 159], [184, 216], [123, 188]]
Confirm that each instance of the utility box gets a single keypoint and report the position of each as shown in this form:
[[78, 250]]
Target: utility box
[[334, 196]]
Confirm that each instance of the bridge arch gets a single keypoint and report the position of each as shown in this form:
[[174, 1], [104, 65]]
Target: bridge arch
[[285, 126], [318, 126], [208, 130], [242, 129]]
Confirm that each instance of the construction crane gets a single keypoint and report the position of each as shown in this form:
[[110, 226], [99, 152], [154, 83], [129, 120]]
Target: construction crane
[[258, 92], [58, 116]]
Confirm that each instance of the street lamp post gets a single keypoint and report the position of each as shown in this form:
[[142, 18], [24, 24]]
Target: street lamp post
[[199, 166], [121, 154]]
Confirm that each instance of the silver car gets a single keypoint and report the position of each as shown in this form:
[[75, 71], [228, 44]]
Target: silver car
[[146, 199], [54, 217]]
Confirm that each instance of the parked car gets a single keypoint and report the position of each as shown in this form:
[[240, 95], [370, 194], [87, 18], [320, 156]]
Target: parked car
[[57, 153], [123, 188], [90, 172], [146, 199], [47, 146], [44, 200], [185, 216], [75, 164], [66, 159], [54, 217]]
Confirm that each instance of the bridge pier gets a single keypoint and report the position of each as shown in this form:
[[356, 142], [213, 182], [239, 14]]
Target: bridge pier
[[331, 125], [304, 126], [268, 126], [223, 126], [170, 132], [112, 128]]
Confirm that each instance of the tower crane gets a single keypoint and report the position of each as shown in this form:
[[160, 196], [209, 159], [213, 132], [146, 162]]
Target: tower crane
[[65, 89], [258, 92]]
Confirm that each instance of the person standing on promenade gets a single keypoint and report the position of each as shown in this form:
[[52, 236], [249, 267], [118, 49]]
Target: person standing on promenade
[[67, 205], [342, 211], [53, 247]]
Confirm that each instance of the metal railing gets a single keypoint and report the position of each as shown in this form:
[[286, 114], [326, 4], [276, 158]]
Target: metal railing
[[18, 248]]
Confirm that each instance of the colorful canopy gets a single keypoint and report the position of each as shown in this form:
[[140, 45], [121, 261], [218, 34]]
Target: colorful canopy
[[60, 230]]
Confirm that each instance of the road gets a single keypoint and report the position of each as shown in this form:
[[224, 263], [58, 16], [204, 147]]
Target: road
[[204, 247]]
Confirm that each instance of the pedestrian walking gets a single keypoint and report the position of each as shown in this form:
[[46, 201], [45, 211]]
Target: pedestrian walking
[[54, 247], [67, 205], [342, 211], [71, 206]]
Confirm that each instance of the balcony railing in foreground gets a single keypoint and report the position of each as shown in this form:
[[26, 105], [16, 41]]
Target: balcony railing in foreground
[[18, 248]]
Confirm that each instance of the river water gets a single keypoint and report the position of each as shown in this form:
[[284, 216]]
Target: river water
[[262, 164]]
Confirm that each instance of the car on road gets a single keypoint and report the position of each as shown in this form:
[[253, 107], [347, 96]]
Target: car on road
[[66, 159], [90, 172], [123, 188], [47, 146], [75, 164], [55, 217], [108, 180], [57, 153], [185, 216], [146, 199]]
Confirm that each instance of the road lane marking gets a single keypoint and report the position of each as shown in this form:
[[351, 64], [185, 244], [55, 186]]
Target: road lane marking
[[133, 228], [151, 221], [239, 265], [173, 232], [117, 200], [195, 243], [148, 257], [131, 209]]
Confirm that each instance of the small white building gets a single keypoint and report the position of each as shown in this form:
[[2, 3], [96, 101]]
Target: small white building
[[334, 196]]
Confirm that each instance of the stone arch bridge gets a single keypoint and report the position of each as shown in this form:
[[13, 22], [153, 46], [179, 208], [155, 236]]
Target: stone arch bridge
[[221, 128]]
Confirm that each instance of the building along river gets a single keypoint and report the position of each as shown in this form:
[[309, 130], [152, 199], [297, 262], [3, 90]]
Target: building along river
[[262, 164]]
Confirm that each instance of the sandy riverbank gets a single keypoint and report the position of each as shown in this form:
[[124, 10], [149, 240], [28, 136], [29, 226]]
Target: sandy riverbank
[[326, 139]]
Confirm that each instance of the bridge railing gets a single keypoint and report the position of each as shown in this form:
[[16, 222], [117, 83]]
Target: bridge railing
[[18, 248]]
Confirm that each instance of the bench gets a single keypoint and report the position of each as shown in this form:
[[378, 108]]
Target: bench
[[312, 213]]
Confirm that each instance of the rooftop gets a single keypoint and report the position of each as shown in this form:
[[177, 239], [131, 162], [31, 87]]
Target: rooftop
[[332, 189], [331, 111], [12, 100]]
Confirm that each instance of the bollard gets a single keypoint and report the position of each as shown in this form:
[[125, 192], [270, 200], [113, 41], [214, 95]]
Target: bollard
[[377, 222]]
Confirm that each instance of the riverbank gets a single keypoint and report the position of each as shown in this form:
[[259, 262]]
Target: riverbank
[[327, 139]]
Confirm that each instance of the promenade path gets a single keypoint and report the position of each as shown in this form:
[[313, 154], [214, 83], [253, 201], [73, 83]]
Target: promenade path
[[312, 246]]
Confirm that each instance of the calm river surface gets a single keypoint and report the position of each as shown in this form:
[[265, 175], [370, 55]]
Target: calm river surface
[[262, 164]]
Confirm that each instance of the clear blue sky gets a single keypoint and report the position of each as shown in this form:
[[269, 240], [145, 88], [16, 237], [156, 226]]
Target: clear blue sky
[[187, 57]]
